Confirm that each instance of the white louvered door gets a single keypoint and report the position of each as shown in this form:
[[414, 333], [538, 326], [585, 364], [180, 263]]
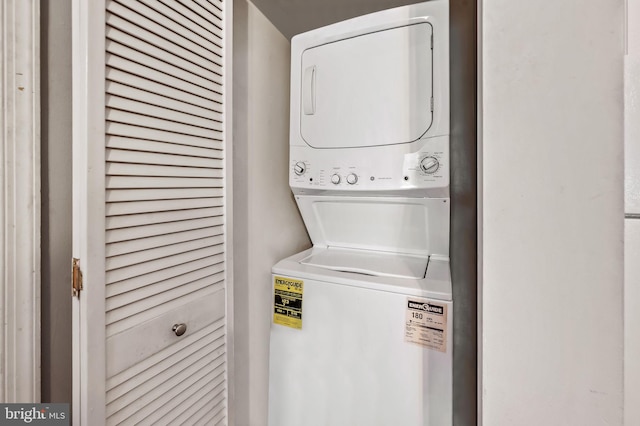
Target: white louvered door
[[151, 158]]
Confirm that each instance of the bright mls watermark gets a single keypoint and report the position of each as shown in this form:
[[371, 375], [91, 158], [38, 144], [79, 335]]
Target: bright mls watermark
[[35, 414]]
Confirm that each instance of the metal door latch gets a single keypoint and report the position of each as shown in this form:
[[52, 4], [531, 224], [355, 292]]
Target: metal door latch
[[76, 278]]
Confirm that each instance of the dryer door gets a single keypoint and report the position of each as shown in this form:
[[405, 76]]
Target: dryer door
[[370, 90]]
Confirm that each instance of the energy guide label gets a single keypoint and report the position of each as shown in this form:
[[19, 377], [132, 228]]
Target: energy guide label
[[287, 302], [426, 324]]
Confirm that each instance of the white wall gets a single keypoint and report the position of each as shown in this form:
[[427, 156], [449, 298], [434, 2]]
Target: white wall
[[632, 223], [632, 323], [56, 200], [20, 202], [632, 109], [552, 272], [267, 225]]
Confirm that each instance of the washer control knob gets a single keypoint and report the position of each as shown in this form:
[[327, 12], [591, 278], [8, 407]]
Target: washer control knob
[[335, 179], [352, 178], [300, 168], [429, 165]]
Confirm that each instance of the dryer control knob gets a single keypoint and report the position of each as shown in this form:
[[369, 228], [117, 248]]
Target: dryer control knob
[[300, 168], [335, 179], [352, 178], [429, 165]]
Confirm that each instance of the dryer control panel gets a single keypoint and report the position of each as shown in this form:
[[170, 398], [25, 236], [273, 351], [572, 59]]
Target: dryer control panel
[[370, 105], [423, 164]]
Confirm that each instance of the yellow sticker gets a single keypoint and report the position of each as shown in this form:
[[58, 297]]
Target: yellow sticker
[[287, 303]]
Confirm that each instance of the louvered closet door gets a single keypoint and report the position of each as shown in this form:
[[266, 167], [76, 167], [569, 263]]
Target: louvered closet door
[[150, 203]]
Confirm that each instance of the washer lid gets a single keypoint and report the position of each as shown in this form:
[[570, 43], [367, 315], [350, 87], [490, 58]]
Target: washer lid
[[413, 226], [369, 90], [436, 284], [367, 262]]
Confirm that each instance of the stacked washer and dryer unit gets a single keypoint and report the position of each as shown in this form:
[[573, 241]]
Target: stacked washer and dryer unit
[[362, 325]]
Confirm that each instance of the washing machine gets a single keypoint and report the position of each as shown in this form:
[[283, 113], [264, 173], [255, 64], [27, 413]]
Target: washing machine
[[361, 350], [363, 321]]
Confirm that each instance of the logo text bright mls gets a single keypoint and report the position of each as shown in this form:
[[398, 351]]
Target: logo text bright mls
[[28, 415]]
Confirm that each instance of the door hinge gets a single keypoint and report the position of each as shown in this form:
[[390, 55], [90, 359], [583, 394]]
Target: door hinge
[[431, 41], [76, 278], [432, 104]]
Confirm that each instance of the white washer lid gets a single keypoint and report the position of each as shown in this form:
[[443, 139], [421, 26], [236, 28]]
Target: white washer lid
[[375, 263], [413, 226], [435, 285]]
